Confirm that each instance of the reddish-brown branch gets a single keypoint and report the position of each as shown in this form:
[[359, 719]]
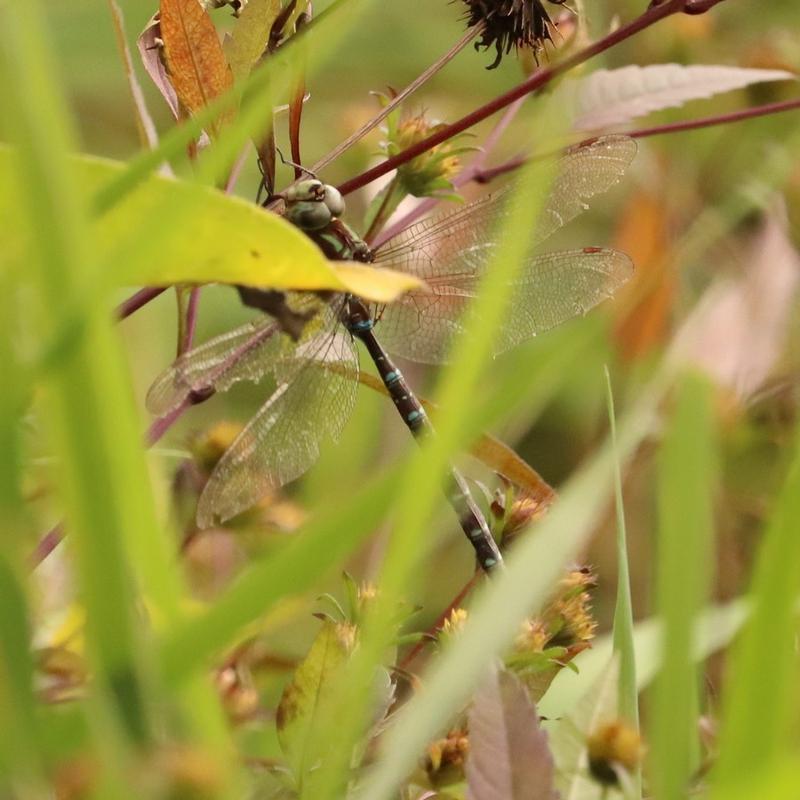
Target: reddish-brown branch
[[434, 629], [535, 82], [137, 300]]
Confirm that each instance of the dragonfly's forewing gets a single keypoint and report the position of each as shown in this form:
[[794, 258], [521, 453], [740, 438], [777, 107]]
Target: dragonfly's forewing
[[451, 253], [314, 399], [583, 173]]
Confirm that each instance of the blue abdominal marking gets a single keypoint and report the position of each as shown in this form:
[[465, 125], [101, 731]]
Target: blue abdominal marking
[[415, 415], [361, 325], [393, 377]]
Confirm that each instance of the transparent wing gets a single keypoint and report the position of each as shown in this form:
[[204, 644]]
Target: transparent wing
[[245, 353], [462, 240], [584, 172], [313, 401], [451, 252], [550, 289]]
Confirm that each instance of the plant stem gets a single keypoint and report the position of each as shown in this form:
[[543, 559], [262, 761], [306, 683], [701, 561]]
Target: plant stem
[[535, 82], [137, 300]]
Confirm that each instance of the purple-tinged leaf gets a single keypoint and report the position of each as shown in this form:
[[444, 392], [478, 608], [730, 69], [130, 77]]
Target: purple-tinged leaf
[[149, 45], [509, 756], [739, 329], [613, 97]]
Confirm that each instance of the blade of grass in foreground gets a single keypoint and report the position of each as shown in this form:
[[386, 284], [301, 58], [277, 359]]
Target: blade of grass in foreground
[[419, 488], [687, 480], [21, 759], [628, 692], [759, 706], [74, 404], [88, 410]]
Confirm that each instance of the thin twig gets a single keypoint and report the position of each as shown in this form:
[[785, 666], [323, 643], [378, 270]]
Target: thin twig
[[489, 174], [434, 629], [137, 300], [399, 98], [190, 323]]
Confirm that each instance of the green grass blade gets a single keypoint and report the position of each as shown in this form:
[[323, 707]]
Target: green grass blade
[[761, 698], [687, 479], [21, 759], [623, 610], [78, 392], [419, 489]]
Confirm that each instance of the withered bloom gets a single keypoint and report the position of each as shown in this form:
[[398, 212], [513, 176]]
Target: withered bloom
[[511, 24]]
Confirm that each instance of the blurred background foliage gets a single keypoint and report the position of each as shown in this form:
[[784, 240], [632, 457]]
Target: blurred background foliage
[[678, 214]]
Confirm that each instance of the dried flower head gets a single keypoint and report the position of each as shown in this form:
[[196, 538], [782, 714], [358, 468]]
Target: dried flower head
[[614, 748], [567, 619], [446, 757], [454, 624], [511, 24], [209, 446]]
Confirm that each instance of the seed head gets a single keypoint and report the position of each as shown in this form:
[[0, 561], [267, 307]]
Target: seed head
[[511, 24]]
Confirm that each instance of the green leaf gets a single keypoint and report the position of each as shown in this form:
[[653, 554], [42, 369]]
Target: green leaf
[[250, 36], [712, 630], [568, 735], [309, 690], [687, 478], [215, 238], [761, 701]]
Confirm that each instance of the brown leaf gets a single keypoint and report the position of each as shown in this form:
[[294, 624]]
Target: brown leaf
[[644, 311], [509, 757], [197, 66]]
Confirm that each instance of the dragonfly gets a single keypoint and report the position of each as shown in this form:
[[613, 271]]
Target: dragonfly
[[316, 372]]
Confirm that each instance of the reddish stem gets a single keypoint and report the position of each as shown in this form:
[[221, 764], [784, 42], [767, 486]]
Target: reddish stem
[[721, 119], [437, 626], [137, 300], [536, 81]]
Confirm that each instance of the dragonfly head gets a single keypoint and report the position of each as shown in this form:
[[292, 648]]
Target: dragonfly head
[[311, 204]]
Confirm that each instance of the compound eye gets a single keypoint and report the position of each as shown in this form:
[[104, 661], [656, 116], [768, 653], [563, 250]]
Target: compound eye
[[310, 215], [311, 189], [334, 201]]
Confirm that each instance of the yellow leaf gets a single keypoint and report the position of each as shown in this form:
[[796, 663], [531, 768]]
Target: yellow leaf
[[169, 231]]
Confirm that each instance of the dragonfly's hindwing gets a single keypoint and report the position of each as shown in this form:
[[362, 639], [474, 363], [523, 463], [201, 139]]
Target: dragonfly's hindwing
[[246, 353], [314, 399]]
